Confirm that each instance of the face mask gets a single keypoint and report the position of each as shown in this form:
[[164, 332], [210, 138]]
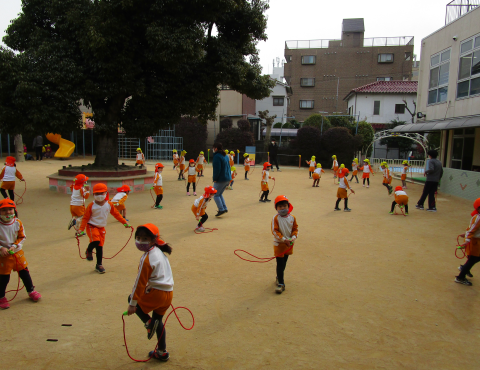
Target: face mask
[[7, 218], [142, 246], [100, 198], [283, 212]]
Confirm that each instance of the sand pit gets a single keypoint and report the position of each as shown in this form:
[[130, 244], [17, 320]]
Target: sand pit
[[364, 290]]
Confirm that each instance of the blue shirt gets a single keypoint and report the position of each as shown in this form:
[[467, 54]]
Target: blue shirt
[[221, 168]]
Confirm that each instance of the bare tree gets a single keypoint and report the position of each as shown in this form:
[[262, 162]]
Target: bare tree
[[409, 111], [269, 122], [19, 148]]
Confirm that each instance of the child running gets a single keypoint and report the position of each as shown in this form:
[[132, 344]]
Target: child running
[[199, 207], [181, 165], [312, 164], [157, 185], [7, 176], [12, 236], [233, 171], [354, 169], [153, 288], [401, 198], [367, 170], [471, 246], [335, 166], [140, 158], [317, 175], [285, 232], [192, 178], [246, 163], [342, 191], [264, 183], [95, 220], [387, 177], [80, 192], [232, 158], [404, 174], [120, 198], [175, 158], [200, 164]]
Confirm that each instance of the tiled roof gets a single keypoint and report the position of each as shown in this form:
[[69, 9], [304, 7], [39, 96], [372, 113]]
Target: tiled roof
[[387, 87]]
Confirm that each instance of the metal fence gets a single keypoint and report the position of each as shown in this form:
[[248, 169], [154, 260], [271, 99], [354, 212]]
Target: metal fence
[[457, 8], [367, 42], [160, 147], [127, 147], [414, 166]]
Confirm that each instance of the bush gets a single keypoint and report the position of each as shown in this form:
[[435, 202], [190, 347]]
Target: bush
[[338, 141], [307, 143], [315, 120], [243, 124], [295, 123], [366, 130], [285, 125], [234, 138], [194, 136], [226, 123], [337, 121]]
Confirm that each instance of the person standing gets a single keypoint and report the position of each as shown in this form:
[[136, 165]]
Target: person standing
[[37, 146], [273, 150], [434, 173], [221, 176]]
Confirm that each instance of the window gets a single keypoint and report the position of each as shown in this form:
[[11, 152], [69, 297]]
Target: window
[[306, 104], [308, 59], [408, 55], [376, 107], [307, 82], [439, 73], [385, 58], [278, 101], [384, 78], [225, 87], [469, 68], [462, 150], [400, 108]]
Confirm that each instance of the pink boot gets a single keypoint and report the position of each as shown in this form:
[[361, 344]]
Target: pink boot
[[188, 193], [34, 296], [194, 193], [4, 303]]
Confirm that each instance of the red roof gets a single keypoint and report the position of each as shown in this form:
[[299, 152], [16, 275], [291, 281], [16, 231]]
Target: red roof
[[387, 87]]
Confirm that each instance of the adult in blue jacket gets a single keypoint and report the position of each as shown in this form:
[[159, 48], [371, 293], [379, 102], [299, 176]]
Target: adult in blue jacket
[[221, 177]]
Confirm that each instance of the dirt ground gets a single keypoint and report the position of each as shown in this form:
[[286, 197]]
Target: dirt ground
[[364, 290]]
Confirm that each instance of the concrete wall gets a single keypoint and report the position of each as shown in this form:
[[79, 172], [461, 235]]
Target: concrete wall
[[464, 184], [364, 106], [267, 104]]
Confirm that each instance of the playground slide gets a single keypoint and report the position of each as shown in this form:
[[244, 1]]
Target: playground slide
[[65, 147]]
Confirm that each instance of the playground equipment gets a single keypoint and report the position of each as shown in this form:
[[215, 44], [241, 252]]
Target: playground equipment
[[65, 147]]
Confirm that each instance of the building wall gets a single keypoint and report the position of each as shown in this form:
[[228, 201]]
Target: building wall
[[465, 184], [363, 105], [248, 105], [343, 66], [442, 39], [267, 104]]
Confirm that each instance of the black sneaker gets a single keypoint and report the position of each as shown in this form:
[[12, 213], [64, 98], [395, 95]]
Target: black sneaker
[[432, 209], [89, 255], [159, 355], [279, 288], [220, 213], [99, 269], [261, 200], [151, 327], [337, 209], [71, 223], [268, 200], [347, 210], [468, 273], [463, 281], [419, 207]]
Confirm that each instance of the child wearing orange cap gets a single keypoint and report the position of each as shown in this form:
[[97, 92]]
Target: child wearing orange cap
[[158, 185], [200, 163], [312, 164], [342, 191], [119, 200], [471, 246], [367, 170], [140, 158], [7, 176], [264, 183], [246, 164], [80, 192], [95, 220], [192, 178], [285, 232], [153, 288], [200, 206], [12, 236], [401, 198]]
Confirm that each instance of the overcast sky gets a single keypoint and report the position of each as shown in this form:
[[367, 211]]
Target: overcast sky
[[310, 19]]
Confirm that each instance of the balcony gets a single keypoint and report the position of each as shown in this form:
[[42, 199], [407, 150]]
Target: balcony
[[457, 8], [367, 42]]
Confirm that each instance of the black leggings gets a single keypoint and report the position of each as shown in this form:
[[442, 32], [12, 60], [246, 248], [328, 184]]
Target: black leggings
[[368, 181], [338, 202], [26, 279], [203, 220], [38, 152], [246, 173], [387, 186], [355, 177], [11, 194], [162, 345], [393, 207], [265, 195], [471, 261], [159, 199], [98, 250], [281, 264], [194, 185]]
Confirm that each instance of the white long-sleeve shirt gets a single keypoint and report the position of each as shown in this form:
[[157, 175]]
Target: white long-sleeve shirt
[[158, 181], [12, 233], [78, 196]]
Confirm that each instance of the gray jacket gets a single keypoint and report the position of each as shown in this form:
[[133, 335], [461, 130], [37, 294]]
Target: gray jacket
[[434, 171], [38, 141]]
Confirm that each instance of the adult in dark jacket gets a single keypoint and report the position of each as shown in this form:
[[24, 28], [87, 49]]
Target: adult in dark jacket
[[434, 173], [273, 151], [37, 146], [221, 177]]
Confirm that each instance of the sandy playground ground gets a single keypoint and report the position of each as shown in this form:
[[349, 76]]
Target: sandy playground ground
[[364, 290]]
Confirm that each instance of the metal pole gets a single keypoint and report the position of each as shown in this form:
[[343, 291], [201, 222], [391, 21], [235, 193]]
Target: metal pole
[[92, 143], [83, 131]]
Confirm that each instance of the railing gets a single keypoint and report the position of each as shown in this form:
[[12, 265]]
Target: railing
[[416, 167], [161, 147], [367, 42], [456, 8]]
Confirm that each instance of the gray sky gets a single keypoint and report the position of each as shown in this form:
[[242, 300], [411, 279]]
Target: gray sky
[[309, 19]]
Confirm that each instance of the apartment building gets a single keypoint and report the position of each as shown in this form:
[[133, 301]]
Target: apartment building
[[322, 72]]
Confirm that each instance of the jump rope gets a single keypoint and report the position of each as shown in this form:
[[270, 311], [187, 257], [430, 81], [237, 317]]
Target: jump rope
[[260, 259], [18, 284], [459, 247], [107, 258], [20, 197], [270, 192]]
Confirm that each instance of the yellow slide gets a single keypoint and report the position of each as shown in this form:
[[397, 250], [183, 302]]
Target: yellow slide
[[65, 147]]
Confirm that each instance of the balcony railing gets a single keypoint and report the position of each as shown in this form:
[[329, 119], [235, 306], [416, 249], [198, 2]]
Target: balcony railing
[[456, 8], [367, 42]]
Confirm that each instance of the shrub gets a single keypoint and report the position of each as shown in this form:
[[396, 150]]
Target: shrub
[[226, 123], [338, 141], [285, 125], [295, 123], [315, 120], [194, 136], [307, 143], [366, 130], [234, 138], [337, 121], [243, 124]]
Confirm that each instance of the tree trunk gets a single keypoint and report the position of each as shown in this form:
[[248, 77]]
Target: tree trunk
[[19, 157], [107, 149], [267, 136]]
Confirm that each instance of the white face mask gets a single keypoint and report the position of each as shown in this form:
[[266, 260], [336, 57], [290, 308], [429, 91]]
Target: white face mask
[[100, 198], [7, 218], [283, 212]]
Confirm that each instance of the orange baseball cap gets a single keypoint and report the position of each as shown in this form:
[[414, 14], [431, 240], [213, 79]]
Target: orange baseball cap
[[159, 165], [155, 231], [7, 203], [123, 188], [267, 164], [80, 178], [100, 188], [281, 198], [191, 161], [10, 161], [399, 188], [209, 190]]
